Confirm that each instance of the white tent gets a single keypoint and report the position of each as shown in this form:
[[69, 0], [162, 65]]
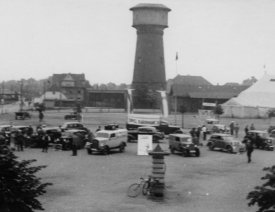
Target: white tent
[[255, 101]]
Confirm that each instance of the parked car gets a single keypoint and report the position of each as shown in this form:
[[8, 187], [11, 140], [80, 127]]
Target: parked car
[[106, 140], [183, 143], [22, 115], [219, 128], [73, 125], [22, 128], [71, 116], [146, 130], [225, 142], [261, 139], [66, 139]]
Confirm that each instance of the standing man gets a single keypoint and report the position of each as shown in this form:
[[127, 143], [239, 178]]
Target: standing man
[[246, 129], [203, 129], [236, 130], [45, 142], [231, 126], [75, 142], [20, 141], [249, 147]]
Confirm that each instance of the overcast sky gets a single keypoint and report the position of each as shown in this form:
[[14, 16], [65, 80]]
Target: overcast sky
[[221, 40]]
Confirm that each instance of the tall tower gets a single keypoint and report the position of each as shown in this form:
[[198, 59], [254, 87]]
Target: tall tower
[[149, 70], [150, 20]]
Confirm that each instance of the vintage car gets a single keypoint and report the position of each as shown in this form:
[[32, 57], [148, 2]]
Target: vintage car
[[73, 125], [72, 116], [225, 142], [22, 115], [146, 130], [66, 139], [106, 140], [183, 143], [219, 128], [261, 139]]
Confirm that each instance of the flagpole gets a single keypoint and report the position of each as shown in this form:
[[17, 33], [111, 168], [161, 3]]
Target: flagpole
[[176, 102]]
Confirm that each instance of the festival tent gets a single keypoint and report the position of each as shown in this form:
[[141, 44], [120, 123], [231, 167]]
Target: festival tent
[[254, 102]]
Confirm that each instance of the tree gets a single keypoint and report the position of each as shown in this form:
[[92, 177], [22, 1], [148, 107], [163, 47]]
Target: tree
[[264, 196], [19, 187], [218, 110]]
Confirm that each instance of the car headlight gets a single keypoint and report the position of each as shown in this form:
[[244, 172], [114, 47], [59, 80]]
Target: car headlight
[[189, 139]]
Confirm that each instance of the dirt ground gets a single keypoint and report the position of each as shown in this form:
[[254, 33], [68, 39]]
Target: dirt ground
[[216, 181]]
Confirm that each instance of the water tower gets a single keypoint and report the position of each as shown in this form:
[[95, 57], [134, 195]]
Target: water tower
[[149, 70], [150, 20]]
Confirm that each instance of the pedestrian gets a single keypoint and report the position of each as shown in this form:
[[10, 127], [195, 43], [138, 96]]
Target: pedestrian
[[232, 126], [204, 132], [19, 141], [193, 132], [252, 127], [46, 139], [246, 129], [249, 147], [13, 141], [236, 128], [75, 142], [198, 133], [41, 116]]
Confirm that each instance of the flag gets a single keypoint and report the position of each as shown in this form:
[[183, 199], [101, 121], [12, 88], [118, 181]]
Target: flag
[[177, 57]]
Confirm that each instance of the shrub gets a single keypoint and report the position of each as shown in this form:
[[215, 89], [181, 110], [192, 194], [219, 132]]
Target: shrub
[[264, 196], [19, 187]]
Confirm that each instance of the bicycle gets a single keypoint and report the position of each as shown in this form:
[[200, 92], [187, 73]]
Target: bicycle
[[144, 186]]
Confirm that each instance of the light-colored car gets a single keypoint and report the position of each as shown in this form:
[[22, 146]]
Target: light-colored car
[[73, 125], [183, 143], [225, 142], [106, 140]]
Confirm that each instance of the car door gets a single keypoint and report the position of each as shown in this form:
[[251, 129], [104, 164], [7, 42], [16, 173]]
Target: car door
[[219, 142], [113, 141]]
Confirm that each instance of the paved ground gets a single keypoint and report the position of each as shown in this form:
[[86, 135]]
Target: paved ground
[[216, 181]]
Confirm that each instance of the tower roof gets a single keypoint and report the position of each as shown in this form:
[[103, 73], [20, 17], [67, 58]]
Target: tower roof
[[150, 6]]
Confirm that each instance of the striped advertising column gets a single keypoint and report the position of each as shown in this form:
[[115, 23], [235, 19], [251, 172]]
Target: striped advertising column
[[158, 172]]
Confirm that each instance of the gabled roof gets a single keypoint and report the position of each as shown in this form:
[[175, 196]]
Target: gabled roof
[[79, 79], [206, 91], [190, 80]]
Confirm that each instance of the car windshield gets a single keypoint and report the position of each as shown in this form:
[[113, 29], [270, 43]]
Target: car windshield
[[102, 134]]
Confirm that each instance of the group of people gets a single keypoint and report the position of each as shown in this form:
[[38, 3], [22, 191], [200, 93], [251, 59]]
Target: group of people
[[234, 129]]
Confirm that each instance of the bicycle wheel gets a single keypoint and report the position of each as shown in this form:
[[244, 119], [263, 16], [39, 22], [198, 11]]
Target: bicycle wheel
[[133, 190], [145, 188]]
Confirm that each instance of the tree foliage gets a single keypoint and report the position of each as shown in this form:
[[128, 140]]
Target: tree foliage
[[19, 187], [218, 110], [264, 195]]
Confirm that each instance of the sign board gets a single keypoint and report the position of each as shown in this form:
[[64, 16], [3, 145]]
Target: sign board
[[207, 104], [144, 119], [145, 144]]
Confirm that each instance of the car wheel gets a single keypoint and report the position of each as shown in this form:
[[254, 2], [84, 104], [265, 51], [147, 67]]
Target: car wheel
[[172, 150], [122, 147], [185, 153], [106, 150], [89, 151], [229, 149], [211, 146], [198, 153]]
